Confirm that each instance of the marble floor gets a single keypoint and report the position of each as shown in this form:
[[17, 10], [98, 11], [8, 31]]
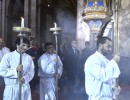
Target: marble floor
[[124, 95]]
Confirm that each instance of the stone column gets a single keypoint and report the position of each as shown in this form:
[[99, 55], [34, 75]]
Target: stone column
[[83, 30], [48, 35], [0, 17], [33, 17], [3, 16], [39, 22], [26, 13]]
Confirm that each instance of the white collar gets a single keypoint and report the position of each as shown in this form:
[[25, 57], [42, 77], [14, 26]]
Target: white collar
[[99, 54]]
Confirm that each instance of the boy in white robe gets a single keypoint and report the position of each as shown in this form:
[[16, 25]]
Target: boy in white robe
[[47, 64], [9, 68], [100, 73]]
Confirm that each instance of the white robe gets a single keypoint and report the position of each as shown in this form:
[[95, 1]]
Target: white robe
[[8, 67], [46, 73], [3, 51], [100, 75]]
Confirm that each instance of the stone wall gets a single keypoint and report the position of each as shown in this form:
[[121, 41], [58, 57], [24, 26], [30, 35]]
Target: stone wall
[[124, 41], [83, 30], [124, 28]]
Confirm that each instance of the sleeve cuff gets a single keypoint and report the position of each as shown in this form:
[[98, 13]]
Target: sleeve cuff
[[14, 72], [115, 68], [54, 62]]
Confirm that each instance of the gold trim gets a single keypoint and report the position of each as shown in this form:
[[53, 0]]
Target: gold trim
[[21, 29]]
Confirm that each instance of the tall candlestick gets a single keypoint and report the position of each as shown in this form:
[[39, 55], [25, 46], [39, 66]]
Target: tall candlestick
[[22, 22], [117, 38]]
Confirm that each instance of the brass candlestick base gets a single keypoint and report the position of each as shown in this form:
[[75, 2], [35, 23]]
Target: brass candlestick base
[[21, 29]]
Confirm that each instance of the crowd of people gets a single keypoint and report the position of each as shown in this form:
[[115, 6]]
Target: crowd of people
[[87, 74]]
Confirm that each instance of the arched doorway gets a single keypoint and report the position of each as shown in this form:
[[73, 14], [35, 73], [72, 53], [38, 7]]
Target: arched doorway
[[15, 10]]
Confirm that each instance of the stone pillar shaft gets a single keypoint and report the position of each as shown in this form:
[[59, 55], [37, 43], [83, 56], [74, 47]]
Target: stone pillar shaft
[[26, 13], [0, 17], [33, 17], [3, 21]]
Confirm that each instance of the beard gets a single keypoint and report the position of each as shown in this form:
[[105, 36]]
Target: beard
[[106, 52]]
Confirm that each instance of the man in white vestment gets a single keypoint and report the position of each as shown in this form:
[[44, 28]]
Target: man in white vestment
[[3, 50], [48, 63], [9, 69], [100, 73]]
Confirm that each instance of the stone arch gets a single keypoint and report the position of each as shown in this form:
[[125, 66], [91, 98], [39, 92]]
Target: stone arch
[[14, 11], [10, 5]]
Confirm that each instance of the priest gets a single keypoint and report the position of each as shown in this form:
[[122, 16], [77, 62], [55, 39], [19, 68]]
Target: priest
[[100, 73]]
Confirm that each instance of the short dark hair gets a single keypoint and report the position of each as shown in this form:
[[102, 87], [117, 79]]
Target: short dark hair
[[48, 44], [87, 42], [102, 40], [25, 40], [73, 40]]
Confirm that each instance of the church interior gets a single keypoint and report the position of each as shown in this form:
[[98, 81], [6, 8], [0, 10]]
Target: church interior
[[82, 20]]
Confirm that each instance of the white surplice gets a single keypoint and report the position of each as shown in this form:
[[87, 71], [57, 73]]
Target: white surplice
[[3, 51], [8, 70], [100, 75], [46, 72]]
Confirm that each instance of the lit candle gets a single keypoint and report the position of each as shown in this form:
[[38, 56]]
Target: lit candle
[[22, 22], [55, 25]]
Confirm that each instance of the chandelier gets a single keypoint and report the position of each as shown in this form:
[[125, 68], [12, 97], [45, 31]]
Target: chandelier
[[97, 13]]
